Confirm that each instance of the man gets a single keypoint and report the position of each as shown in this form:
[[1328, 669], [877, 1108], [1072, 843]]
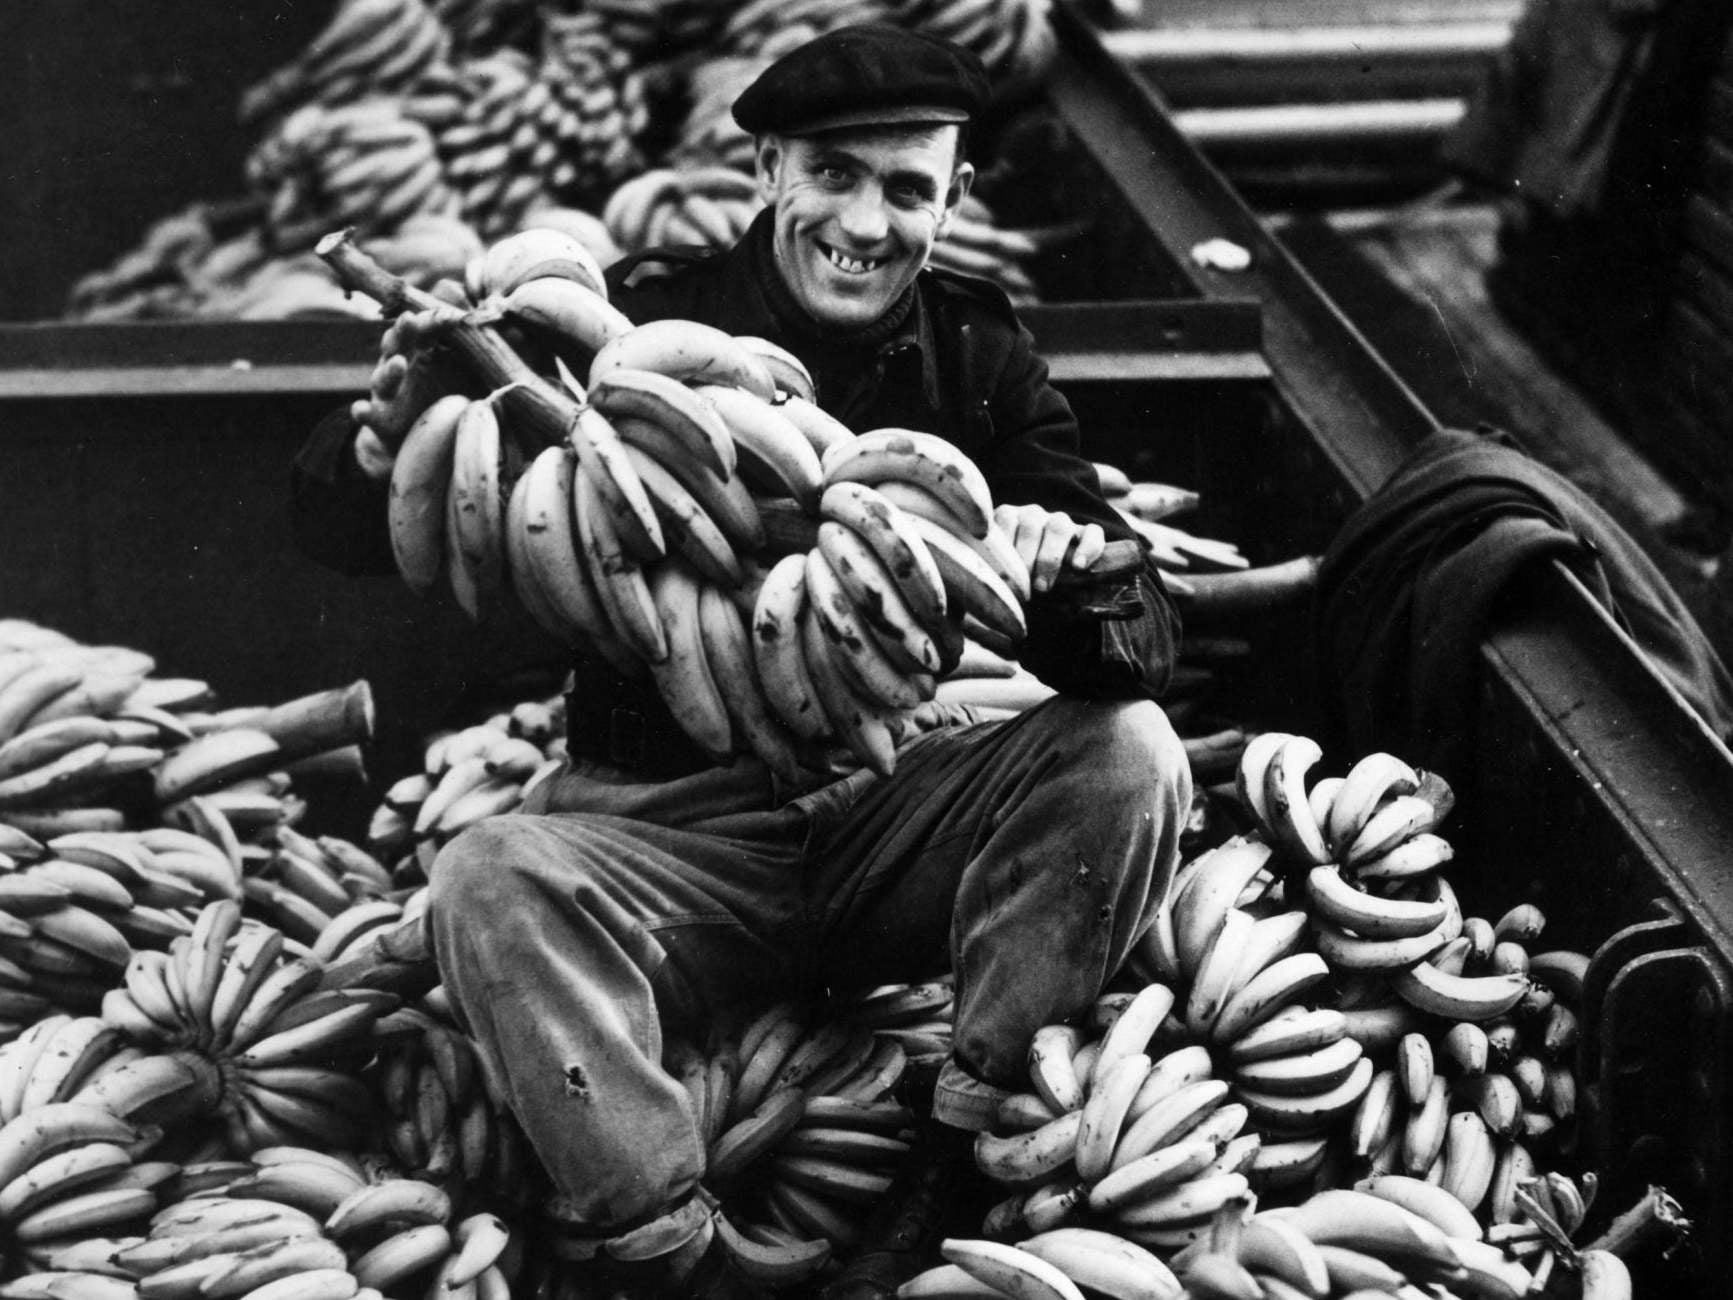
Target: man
[[650, 888]]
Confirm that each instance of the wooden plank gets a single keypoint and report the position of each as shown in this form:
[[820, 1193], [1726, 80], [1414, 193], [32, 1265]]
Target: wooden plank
[[1359, 13]]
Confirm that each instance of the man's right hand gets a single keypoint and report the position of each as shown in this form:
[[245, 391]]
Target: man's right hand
[[404, 383]]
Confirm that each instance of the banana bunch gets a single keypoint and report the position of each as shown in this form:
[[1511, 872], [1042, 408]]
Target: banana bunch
[[426, 247], [235, 994], [71, 1171], [1014, 38], [1144, 500], [651, 29], [468, 774], [706, 205], [767, 28], [364, 164], [479, 27], [599, 90], [493, 149], [151, 278], [1468, 1098], [368, 48], [443, 1121], [310, 1224], [800, 1127], [708, 134], [325, 893]]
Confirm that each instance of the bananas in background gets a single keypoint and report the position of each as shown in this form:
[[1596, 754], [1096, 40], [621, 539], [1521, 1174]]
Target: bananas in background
[[708, 206]]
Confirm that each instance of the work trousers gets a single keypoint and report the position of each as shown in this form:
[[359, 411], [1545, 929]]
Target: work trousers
[[1024, 855]]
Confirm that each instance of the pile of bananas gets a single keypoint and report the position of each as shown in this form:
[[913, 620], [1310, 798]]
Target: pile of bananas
[[693, 460], [707, 206], [445, 1123], [467, 774]]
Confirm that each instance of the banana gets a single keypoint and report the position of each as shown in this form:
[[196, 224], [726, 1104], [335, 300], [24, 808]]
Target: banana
[[775, 458], [619, 580], [36, 686], [1009, 1270], [894, 540], [1296, 1029], [86, 1213], [724, 497], [534, 252], [1166, 1166], [203, 1216], [1351, 952], [793, 380], [923, 459], [1213, 979], [1286, 803], [602, 459], [59, 1174], [1561, 970], [766, 1058], [777, 650], [1134, 1027], [1277, 1165], [1186, 1204], [245, 1271], [831, 1179], [1469, 1160], [313, 1284], [1523, 923], [1200, 907], [156, 1088], [1369, 915], [213, 759], [43, 742], [349, 928], [1028, 1159], [971, 585], [683, 675], [1103, 1263], [551, 546], [207, 958], [1104, 1113], [1376, 1116], [1370, 782], [875, 599], [1415, 1068], [71, 1052], [1400, 819], [314, 1187], [1435, 1204], [1424, 1130], [727, 650], [1052, 1050], [1254, 764], [1298, 1115], [1464, 1047], [1267, 992], [689, 351], [312, 1041], [1180, 1067], [480, 1240], [1359, 1221], [1271, 939], [569, 310], [1312, 1071], [1412, 857], [1171, 1118], [475, 502], [1489, 1271], [1476, 998], [778, 1265], [685, 523], [1272, 1247], [694, 424], [869, 730], [394, 1203], [420, 476]]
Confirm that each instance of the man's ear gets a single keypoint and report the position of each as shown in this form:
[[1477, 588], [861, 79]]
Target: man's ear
[[954, 196], [769, 157]]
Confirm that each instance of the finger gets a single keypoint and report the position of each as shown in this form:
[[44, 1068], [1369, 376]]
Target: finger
[[388, 377], [372, 455], [1026, 536], [1050, 555], [1091, 542]]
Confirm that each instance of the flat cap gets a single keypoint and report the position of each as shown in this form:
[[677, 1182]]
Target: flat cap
[[870, 74]]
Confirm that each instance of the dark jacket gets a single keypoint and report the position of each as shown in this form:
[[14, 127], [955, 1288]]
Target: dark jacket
[[958, 363]]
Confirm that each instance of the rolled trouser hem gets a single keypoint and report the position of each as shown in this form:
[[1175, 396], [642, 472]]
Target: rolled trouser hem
[[962, 1101]]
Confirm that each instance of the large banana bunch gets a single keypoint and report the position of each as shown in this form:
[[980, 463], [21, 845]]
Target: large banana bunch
[[475, 772], [603, 113], [974, 244], [311, 1224], [72, 1171], [768, 29], [1014, 38], [235, 993], [708, 134], [305, 886], [444, 1123], [659, 29], [704, 205], [799, 1120], [365, 164], [426, 247], [368, 48]]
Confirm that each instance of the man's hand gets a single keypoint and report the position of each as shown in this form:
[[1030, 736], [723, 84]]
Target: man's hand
[[1049, 541], [404, 383]]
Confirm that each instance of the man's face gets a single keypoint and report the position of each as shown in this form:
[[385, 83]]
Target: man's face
[[857, 212]]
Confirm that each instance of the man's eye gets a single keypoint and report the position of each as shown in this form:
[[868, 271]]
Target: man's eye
[[834, 175]]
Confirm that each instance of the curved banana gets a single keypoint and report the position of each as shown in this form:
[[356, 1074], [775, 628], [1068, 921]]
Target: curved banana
[[893, 538], [1027, 1159], [1267, 992], [1373, 780], [1212, 984], [1400, 819], [1214, 884], [569, 310], [1103, 1263], [602, 459], [1287, 804], [971, 585], [1351, 952], [683, 675], [924, 459], [1104, 1113], [685, 523], [1303, 1114], [1424, 1130], [1317, 1070], [876, 599], [1370, 915], [1477, 998], [1008, 1270], [793, 380], [689, 351], [728, 654], [1169, 1119], [540, 522], [775, 457], [618, 577], [476, 500], [399, 1202], [778, 1265], [724, 497], [819, 427], [1166, 1166], [1249, 775], [536, 252], [681, 412], [869, 730], [777, 650], [1293, 1029], [1413, 857], [420, 478], [1469, 1160]]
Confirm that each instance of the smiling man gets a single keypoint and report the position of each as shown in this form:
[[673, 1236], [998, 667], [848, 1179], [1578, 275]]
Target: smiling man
[[647, 890]]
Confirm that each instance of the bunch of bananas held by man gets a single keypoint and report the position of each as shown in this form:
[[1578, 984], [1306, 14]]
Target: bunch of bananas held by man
[[703, 523]]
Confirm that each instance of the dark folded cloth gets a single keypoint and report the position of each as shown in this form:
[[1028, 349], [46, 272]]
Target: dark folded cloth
[[1406, 588]]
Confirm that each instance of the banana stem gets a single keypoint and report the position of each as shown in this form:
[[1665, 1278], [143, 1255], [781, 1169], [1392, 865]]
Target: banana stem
[[1655, 1217], [534, 406]]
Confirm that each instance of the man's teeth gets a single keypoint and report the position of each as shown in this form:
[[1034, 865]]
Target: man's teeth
[[851, 265]]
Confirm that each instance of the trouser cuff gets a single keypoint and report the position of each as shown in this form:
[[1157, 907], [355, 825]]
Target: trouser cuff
[[963, 1101]]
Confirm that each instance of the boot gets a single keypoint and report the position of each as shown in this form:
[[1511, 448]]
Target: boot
[[939, 1194]]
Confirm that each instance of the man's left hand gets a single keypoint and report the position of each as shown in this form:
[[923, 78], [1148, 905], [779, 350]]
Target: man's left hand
[[1049, 541]]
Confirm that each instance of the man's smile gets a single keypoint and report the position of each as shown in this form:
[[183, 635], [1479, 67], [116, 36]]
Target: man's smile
[[849, 265]]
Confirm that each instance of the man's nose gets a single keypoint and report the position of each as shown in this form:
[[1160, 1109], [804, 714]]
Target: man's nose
[[863, 216]]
